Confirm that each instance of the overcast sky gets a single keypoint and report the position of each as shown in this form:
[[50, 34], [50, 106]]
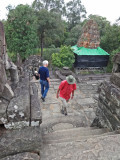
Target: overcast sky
[[105, 8]]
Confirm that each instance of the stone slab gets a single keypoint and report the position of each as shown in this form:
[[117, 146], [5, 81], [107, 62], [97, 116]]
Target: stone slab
[[115, 79], [85, 101], [3, 109], [23, 156], [62, 126], [36, 114], [18, 141], [3, 77], [19, 106], [86, 87], [96, 148]]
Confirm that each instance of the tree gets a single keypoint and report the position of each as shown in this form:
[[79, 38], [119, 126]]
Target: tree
[[50, 27], [73, 35], [21, 30], [57, 6], [110, 41], [75, 12]]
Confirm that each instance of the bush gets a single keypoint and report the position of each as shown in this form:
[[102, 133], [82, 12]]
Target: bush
[[47, 53], [110, 64], [64, 58]]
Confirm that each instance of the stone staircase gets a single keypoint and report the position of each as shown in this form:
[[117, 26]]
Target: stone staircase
[[81, 143], [61, 137], [71, 137], [73, 134]]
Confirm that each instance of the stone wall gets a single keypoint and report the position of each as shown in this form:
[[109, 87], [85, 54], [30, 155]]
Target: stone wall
[[6, 93], [90, 37], [24, 108], [108, 111]]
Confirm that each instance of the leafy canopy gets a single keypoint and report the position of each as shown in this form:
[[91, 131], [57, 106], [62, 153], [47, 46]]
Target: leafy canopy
[[75, 12], [21, 30]]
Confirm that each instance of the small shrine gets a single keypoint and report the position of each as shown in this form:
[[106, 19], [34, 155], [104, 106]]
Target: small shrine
[[88, 53]]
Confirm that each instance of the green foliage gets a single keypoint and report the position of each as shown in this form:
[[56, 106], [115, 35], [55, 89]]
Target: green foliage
[[12, 56], [110, 41], [64, 58], [21, 31], [73, 35], [47, 54], [110, 64]]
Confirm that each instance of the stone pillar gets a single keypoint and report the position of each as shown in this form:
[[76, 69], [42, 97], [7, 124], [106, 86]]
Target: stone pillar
[[3, 77]]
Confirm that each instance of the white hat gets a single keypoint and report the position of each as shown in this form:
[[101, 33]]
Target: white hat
[[70, 79]]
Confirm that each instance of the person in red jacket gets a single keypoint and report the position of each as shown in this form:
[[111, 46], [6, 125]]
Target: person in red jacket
[[66, 91]]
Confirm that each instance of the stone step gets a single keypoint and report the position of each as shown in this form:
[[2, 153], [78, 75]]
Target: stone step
[[75, 138], [50, 124], [72, 134], [103, 147]]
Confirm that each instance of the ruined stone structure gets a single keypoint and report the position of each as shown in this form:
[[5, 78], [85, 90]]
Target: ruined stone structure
[[90, 37], [6, 92], [24, 108], [19, 104], [108, 112]]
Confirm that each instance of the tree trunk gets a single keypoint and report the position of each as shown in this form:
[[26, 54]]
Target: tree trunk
[[42, 43]]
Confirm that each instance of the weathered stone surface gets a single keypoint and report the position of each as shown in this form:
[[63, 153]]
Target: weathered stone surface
[[108, 111], [96, 148], [115, 79], [13, 73], [3, 77], [85, 101], [18, 141], [19, 107], [116, 58], [109, 106], [65, 71], [62, 126], [36, 115], [90, 37], [3, 109], [7, 92], [112, 119], [31, 64], [23, 156], [5, 64]]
